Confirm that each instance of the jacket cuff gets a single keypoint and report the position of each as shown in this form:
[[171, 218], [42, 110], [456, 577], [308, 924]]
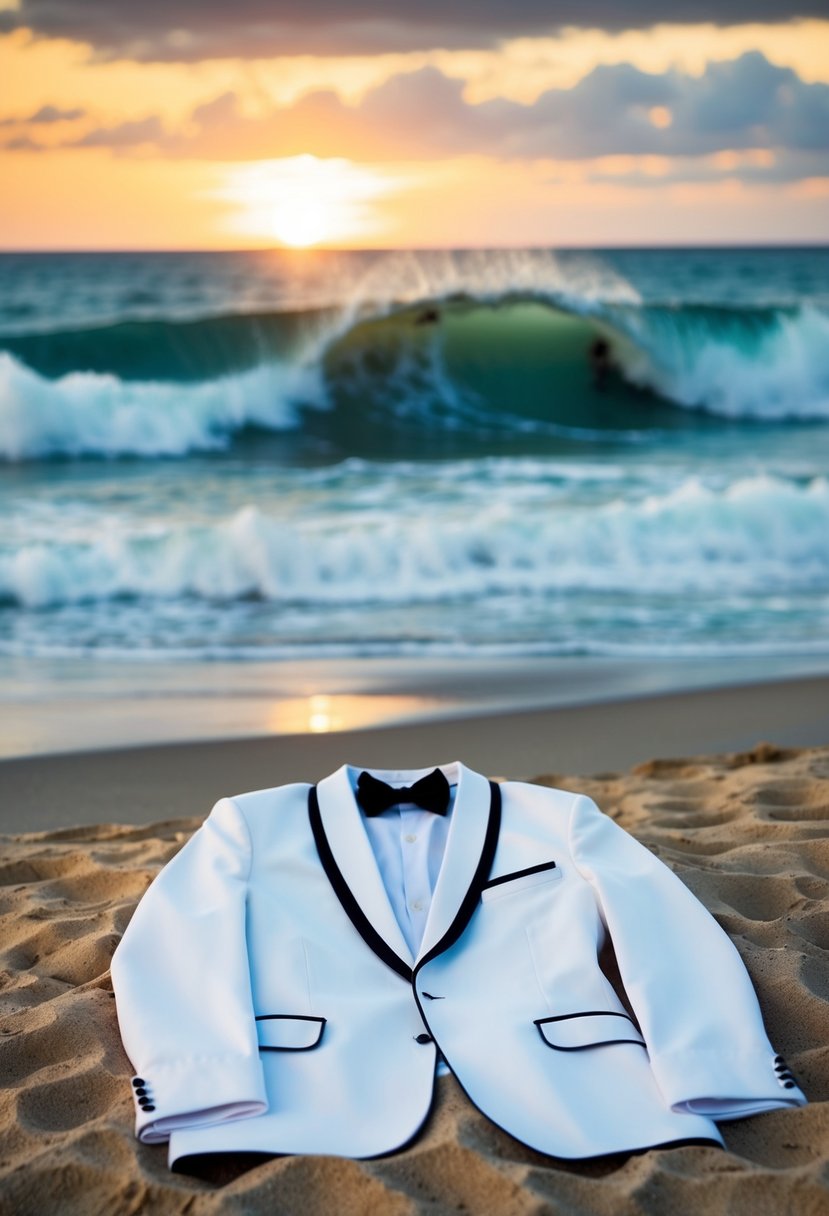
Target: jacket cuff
[[725, 1086], [195, 1092]]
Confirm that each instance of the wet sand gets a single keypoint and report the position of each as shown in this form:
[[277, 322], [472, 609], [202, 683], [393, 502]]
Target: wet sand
[[148, 783]]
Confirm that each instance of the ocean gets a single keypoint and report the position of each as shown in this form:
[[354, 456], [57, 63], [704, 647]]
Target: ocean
[[279, 455]]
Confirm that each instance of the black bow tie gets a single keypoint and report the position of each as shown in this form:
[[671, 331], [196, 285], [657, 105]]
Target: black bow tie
[[431, 793]]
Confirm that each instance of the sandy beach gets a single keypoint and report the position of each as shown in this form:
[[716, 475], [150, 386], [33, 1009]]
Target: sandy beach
[[744, 826]]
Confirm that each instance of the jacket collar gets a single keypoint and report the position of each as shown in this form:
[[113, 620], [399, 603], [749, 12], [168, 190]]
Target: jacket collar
[[347, 855]]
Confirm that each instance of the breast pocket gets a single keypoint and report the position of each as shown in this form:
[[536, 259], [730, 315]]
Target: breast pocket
[[521, 880]]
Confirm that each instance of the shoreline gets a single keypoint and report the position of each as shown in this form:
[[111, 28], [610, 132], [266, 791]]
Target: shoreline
[[144, 784], [55, 706]]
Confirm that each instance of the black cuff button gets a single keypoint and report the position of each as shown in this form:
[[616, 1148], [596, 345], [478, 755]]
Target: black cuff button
[[423, 1038]]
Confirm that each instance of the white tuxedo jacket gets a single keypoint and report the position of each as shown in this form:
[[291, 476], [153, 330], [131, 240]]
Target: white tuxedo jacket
[[293, 976]]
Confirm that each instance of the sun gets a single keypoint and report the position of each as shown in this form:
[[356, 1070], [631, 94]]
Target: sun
[[302, 201], [301, 223]]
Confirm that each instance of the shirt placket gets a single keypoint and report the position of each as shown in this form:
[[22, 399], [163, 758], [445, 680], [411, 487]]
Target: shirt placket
[[414, 848]]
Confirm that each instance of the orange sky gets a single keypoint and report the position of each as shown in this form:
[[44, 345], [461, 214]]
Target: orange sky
[[670, 135]]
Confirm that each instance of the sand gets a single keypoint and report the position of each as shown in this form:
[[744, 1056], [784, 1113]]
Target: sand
[[746, 831]]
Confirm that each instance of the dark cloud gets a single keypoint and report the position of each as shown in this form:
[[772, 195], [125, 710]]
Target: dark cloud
[[22, 143], [737, 104], [55, 114], [199, 29], [122, 135], [46, 114]]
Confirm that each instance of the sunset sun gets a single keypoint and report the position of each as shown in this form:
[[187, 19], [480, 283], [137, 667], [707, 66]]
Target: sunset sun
[[303, 200], [303, 222]]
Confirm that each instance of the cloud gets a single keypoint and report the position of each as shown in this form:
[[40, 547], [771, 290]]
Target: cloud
[[411, 116], [752, 167], [55, 114], [122, 135], [46, 114], [737, 104], [200, 29], [22, 143], [741, 104], [761, 120]]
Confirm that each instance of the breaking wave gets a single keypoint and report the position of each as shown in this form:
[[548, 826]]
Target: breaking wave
[[460, 357], [759, 534]]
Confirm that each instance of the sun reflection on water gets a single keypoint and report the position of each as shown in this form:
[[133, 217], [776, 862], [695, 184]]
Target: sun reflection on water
[[322, 713]]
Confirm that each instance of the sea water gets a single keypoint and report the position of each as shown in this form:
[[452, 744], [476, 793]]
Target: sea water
[[274, 455]]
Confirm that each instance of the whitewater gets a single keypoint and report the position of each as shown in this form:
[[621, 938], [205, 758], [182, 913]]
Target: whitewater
[[248, 455]]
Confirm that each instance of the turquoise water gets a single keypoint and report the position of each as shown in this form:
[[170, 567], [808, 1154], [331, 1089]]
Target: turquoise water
[[235, 456]]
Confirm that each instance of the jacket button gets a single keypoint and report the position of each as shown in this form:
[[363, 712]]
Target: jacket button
[[423, 1038]]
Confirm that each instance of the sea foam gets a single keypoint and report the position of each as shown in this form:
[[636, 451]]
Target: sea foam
[[87, 413], [757, 535]]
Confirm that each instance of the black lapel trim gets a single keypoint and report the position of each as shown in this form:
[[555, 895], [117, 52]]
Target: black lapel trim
[[495, 882], [342, 890], [359, 919], [473, 895]]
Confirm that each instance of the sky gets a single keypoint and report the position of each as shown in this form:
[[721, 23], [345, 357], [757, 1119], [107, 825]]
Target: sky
[[200, 124]]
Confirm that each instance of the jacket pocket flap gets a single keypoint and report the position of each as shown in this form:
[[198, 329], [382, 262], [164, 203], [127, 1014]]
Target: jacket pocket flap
[[288, 1032], [577, 1031]]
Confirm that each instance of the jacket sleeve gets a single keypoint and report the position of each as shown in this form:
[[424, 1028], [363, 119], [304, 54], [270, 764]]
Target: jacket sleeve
[[182, 986], [689, 989]]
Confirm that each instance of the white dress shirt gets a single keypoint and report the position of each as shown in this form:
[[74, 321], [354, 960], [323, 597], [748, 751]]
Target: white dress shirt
[[409, 844]]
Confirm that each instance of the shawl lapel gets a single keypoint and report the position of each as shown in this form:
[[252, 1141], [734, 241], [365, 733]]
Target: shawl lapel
[[349, 861]]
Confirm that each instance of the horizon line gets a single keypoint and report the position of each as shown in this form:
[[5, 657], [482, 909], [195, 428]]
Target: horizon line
[[816, 243]]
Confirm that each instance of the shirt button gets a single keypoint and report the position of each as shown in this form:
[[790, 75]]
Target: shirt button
[[410, 839], [417, 906]]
